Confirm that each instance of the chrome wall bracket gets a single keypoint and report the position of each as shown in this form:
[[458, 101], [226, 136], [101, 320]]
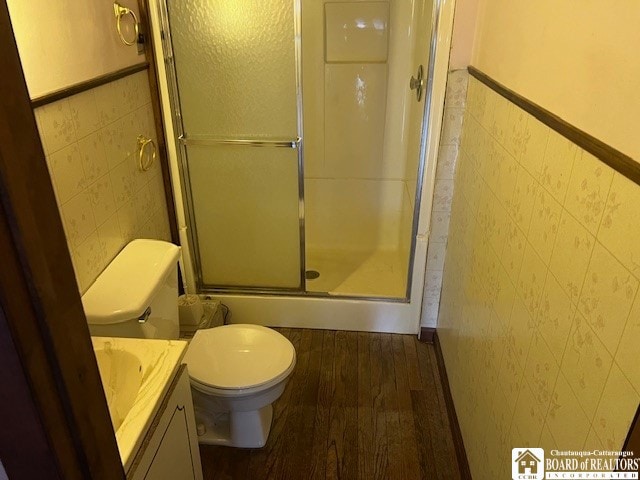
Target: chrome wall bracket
[[145, 316], [417, 84]]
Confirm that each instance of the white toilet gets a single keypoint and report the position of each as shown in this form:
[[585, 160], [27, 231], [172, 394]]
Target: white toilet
[[236, 371]]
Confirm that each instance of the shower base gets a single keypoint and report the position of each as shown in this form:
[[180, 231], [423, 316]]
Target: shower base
[[335, 311], [379, 273]]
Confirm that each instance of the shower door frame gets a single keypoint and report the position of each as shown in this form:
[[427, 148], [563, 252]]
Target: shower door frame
[[278, 307], [182, 141]]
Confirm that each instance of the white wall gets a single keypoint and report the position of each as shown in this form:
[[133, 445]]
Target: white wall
[[464, 30], [65, 42], [577, 59]]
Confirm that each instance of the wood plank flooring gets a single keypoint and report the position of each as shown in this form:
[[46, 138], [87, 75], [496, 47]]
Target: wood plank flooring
[[358, 406]]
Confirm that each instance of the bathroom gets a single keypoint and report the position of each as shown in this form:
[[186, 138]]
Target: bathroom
[[503, 231]]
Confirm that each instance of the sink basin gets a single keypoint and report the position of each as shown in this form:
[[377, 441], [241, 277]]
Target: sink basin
[[121, 375], [136, 374]]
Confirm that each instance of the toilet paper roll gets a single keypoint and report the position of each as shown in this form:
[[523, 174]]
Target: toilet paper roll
[[190, 309]]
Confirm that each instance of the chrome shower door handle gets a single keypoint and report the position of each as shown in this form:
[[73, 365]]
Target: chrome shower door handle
[[417, 84]]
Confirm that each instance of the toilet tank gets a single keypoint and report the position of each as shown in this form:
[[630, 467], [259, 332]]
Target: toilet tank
[[137, 294]]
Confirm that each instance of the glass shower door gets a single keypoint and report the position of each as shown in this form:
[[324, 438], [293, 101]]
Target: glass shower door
[[236, 70]]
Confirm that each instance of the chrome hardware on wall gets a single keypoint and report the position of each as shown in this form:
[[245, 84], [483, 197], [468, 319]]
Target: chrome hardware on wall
[[145, 161], [145, 315], [417, 84], [207, 140], [120, 12]]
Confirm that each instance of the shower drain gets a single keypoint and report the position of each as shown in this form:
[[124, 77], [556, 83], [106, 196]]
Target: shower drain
[[311, 274]]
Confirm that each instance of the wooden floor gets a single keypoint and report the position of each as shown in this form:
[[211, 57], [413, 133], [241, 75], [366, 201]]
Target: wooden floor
[[358, 406]]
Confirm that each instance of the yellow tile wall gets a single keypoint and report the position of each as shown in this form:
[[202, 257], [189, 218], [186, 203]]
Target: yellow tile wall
[[105, 201], [540, 311]]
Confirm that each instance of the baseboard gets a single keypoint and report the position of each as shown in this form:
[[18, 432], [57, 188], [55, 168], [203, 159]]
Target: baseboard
[[458, 443], [427, 334]]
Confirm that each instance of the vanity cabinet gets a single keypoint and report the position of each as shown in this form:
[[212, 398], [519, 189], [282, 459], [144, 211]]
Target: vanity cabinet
[[170, 448]]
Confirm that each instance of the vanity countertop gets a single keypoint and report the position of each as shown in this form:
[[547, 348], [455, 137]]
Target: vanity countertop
[[136, 374]]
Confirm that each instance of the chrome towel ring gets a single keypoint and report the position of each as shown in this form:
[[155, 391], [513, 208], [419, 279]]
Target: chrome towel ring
[[145, 161], [120, 12]]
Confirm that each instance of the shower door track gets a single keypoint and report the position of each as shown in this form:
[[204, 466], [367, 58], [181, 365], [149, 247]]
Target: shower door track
[[283, 292]]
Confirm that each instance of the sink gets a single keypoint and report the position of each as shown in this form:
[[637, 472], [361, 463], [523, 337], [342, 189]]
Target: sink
[[121, 375], [136, 374]]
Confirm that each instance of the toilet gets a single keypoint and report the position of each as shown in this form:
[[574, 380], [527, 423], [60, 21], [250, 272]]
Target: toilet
[[236, 371]]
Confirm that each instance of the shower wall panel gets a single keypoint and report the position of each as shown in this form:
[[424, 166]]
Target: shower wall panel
[[355, 194], [362, 214], [356, 31], [355, 96]]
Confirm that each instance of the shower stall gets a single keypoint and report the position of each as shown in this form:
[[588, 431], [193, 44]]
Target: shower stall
[[297, 132]]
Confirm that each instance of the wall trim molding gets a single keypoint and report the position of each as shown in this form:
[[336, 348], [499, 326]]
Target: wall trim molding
[[87, 85], [454, 425], [617, 160], [427, 334], [156, 104], [632, 442]]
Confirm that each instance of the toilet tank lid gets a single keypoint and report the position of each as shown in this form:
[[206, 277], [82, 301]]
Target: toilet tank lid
[[126, 287]]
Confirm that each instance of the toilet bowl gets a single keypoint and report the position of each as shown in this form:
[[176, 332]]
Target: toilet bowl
[[236, 371]]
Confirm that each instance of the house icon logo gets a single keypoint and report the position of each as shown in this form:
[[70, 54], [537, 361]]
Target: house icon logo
[[527, 463]]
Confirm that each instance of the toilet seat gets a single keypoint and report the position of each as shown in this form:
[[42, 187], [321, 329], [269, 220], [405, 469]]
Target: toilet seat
[[238, 392], [238, 360]]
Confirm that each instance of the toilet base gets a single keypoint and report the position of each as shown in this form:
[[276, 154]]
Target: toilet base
[[235, 429]]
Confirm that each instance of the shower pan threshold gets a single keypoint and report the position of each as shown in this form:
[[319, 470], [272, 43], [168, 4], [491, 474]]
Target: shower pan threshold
[[327, 311]]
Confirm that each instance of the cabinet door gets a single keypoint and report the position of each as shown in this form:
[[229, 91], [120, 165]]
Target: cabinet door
[[173, 458], [170, 449]]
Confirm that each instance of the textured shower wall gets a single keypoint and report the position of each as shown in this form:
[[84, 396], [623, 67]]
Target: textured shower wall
[[540, 310], [354, 192], [104, 200]]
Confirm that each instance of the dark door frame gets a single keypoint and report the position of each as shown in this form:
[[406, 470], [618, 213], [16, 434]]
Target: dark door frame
[[632, 442], [54, 420]]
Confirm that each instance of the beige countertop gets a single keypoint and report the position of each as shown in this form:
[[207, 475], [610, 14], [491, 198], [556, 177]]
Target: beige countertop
[[136, 374]]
